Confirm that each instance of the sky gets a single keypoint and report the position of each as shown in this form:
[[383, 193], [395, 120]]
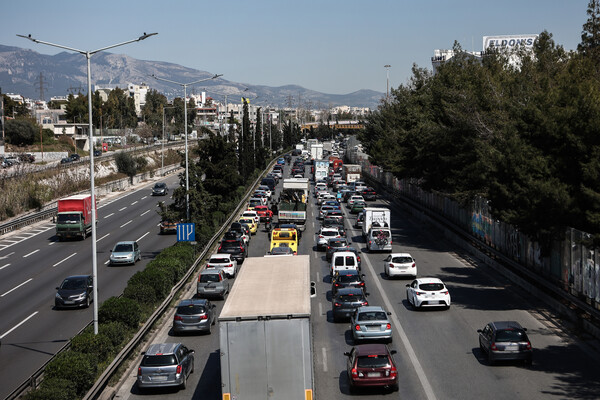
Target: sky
[[330, 46]]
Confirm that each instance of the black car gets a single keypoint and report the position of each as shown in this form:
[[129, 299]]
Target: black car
[[333, 244], [234, 246], [160, 189], [346, 301], [505, 340], [75, 291], [349, 278], [270, 182], [75, 157], [97, 153], [369, 194], [65, 160]]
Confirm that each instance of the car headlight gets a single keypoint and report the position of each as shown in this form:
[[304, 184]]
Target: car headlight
[[80, 297]]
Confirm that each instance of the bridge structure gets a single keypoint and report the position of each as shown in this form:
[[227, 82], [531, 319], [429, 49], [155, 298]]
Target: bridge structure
[[348, 124]]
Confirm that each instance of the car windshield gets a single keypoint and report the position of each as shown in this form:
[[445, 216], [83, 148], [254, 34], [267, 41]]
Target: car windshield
[[206, 278], [159, 360], [511, 335], [281, 249], [191, 309], [431, 287], [121, 248], [401, 260], [160, 186], [372, 316], [373, 361], [72, 284], [68, 218]]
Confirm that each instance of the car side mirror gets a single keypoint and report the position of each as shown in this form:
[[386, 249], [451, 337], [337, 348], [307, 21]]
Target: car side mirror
[[214, 306], [111, 251], [388, 313], [313, 289], [363, 275], [407, 285], [192, 351], [57, 288], [479, 331], [525, 329], [393, 352], [347, 353]]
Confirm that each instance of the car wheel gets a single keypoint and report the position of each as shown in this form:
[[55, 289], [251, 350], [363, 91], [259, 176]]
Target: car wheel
[[87, 302], [210, 328], [184, 383], [394, 388], [386, 271]]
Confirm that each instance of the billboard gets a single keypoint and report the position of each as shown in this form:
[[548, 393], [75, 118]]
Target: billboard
[[508, 42]]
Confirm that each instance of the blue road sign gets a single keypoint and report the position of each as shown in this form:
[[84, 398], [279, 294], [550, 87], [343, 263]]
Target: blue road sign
[[186, 232]]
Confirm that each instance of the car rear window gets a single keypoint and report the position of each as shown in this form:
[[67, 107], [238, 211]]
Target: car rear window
[[431, 287], [205, 278], [373, 361], [329, 233], [159, 360], [191, 309], [218, 260], [350, 297], [348, 278], [402, 260], [372, 316], [511, 335]]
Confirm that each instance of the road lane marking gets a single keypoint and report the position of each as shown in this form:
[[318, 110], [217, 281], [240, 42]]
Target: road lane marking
[[320, 308], [16, 287], [18, 325], [409, 349], [324, 352], [4, 266], [143, 236], [144, 213], [64, 259], [121, 209], [33, 252], [107, 262], [8, 255], [109, 215], [97, 240], [144, 197], [135, 202], [126, 223]]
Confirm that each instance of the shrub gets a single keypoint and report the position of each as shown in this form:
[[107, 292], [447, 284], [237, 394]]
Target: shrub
[[120, 309], [79, 368], [140, 292], [158, 279], [89, 343], [115, 331], [53, 389]]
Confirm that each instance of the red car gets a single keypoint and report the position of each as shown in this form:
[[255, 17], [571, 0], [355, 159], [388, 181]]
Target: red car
[[263, 213], [372, 366]]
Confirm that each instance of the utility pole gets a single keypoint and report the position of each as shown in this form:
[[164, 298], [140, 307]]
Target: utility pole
[[41, 86]]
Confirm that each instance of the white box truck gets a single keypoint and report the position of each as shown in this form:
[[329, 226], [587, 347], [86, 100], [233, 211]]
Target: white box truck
[[316, 151], [265, 331], [351, 172], [377, 229], [378, 215], [293, 201]]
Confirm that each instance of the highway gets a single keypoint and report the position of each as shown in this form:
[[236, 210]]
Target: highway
[[33, 263], [438, 355]]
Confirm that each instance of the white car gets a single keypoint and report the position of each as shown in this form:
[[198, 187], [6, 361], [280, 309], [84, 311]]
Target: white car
[[427, 292], [324, 235], [354, 198], [321, 186], [266, 189], [325, 197], [251, 214], [400, 264], [224, 262]]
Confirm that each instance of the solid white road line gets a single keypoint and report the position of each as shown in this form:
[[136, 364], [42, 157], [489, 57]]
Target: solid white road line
[[16, 287], [126, 223], [63, 260], [33, 252], [409, 349], [18, 325]]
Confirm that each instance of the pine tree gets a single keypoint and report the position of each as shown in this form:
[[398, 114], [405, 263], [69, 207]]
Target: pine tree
[[590, 36]]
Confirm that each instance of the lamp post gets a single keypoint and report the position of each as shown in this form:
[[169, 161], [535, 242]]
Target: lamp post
[[162, 166], [88, 55], [387, 87], [187, 180]]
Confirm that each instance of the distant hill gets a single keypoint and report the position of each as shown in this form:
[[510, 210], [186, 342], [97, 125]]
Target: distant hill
[[66, 73]]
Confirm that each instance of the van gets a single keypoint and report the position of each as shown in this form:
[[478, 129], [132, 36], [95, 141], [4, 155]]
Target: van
[[379, 239], [342, 261]]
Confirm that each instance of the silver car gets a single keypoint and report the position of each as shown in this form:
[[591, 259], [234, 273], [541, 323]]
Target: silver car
[[125, 253], [165, 364], [212, 283], [371, 322], [194, 315]]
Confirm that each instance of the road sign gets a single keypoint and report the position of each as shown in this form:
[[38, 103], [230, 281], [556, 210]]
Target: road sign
[[186, 232]]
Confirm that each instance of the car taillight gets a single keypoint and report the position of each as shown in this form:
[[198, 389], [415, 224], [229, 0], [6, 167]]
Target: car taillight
[[369, 242], [229, 266], [361, 284], [413, 265], [393, 372], [444, 292], [139, 371], [337, 285], [354, 373], [357, 327], [336, 304], [388, 326], [220, 247], [204, 316], [365, 303], [241, 247], [419, 293], [179, 369], [391, 265], [493, 347], [528, 345], [177, 318]]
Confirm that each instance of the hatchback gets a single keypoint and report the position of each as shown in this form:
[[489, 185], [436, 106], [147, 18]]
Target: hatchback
[[346, 301], [125, 253], [333, 244], [74, 291], [505, 340], [212, 283], [372, 366], [399, 264], [357, 206], [427, 292], [160, 189], [345, 279], [194, 315], [324, 235], [164, 365], [224, 262], [371, 322]]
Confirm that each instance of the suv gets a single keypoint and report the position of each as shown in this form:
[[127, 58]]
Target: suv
[[372, 365], [224, 262], [505, 340], [212, 283], [233, 245], [194, 315], [345, 279], [165, 364]]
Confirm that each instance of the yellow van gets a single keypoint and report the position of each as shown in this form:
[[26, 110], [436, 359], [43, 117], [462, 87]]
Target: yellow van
[[285, 237]]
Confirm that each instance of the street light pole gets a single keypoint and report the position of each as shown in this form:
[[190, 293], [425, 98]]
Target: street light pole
[[187, 180], [162, 167], [387, 87], [88, 55]]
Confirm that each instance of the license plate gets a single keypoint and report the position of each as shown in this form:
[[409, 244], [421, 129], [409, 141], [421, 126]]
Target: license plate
[[373, 374], [69, 302], [512, 347], [159, 378], [209, 289]]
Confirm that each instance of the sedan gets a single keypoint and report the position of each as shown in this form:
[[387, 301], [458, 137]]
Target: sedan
[[194, 315], [371, 323], [372, 366], [160, 189], [350, 278], [347, 301], [75, 291], [357, 206], [505, 340], [399, 264], [125, 253], [427, 292]]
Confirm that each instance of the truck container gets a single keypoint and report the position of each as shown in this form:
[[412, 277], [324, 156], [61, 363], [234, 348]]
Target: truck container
[[351, 172], [266, 340], [321, 169], [74, 217], [328, 147], [316, 151], [375, 215], [293, 202]]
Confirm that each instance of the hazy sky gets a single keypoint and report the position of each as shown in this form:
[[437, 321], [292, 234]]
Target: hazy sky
[[329, 46]]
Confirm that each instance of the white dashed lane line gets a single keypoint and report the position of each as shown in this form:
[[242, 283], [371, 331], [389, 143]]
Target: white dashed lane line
[[33, 252], [16, 287], [126, 223], [109, 215], [64, 259], [18, 325]]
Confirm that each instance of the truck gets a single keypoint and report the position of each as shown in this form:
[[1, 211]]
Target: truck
[[293, 202], [321, 169], [316, 151], [351, 172], [74, 217], [375, 215], [328, 147], [266, 341], [336, 163]]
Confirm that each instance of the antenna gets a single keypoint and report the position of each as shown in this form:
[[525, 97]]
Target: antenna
[[41, 86]]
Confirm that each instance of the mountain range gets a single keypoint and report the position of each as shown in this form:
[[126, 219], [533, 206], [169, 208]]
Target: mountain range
[[24, 71]]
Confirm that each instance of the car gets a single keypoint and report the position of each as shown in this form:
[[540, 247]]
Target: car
[[266, 189], [346, 301], [165, 365], [343, 260], [379, 239], [212, 282], [237, 229], [333, 244], [97, 153], [225, 262], [357, 206], [268, 182], [281, 250], [371, 323], [75, 157], [353, 198], [160, 189], [505, 340], [194, 315], [264, 213], [345, 279], [324, 209], [256, 201], [251, 214], [252, 225], [352, 249], [427, 292], [127, 252], [233, 243], [360, 219], [74, 291], [284, 237], [325, 197], [324, 235], [65, 160], [168, 227], [400, 264], [371, 366]]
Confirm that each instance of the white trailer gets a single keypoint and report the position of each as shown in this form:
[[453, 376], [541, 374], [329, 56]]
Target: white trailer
[[376, 215], [265, 331], [316, 151], [351, 172]]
